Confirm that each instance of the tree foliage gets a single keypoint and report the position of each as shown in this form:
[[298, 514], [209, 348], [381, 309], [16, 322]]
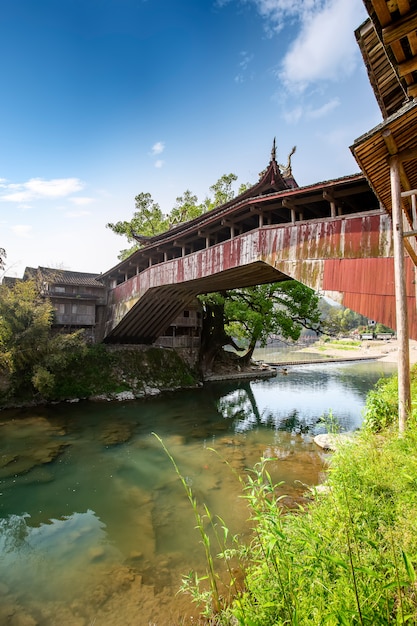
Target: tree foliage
[[222, 191], [148, 219], [340, 320], [25, 321], [249, 316], [185, 209], [30, 354]]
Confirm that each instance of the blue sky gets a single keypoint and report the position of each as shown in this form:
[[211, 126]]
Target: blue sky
[[104, 99]]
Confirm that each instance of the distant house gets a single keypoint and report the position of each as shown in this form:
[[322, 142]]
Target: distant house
[[77, 297], [184, 331]]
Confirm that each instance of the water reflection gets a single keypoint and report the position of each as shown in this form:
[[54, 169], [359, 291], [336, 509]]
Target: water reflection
[[94, 523], [300, 396], [31, 554]]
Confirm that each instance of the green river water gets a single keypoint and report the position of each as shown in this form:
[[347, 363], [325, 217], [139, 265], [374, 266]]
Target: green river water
[[95, 527]]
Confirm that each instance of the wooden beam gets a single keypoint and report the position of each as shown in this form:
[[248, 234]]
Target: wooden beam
[[330, 198], [408, 245], [407, 155], [401, 28], [328, 195], [382, 11], [404, 389], [400, 157], [407, 66], [289, 205], [412, 40], [403, 6], [412, 91], [389, 141]]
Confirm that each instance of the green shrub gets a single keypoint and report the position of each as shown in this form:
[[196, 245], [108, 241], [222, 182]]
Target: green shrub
[[43, 381], [381, 408]]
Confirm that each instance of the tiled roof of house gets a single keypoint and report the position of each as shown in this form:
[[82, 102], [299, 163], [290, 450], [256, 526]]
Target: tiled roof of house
[[65, 277], [9, 281]]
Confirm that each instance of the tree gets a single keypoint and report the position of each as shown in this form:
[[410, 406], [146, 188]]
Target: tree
[[340, 320], [29, 351], [252, 314], [25, 321], [222, 191], [147, 221], [186, 209], [2, 258]]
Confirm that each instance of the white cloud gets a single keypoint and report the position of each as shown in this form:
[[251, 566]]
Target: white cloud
[[322, 111], [293, 116], [158, 148], [76, 214], [276, 12], [325, 48], [81, 200], [37, 188], [159, 163], [246, 59], [302, 112], [22, 230]]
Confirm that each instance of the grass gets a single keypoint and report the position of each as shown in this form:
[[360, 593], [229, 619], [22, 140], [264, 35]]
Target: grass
[[349, 558], [340, 344]]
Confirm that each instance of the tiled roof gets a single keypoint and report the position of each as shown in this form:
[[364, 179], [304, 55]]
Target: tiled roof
[[9, 281], [65, 277]]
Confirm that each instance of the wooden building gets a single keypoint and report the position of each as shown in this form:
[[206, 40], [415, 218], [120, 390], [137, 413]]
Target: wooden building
[[78, 298]]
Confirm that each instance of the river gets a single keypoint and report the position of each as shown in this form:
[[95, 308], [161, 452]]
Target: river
[[95, 526]]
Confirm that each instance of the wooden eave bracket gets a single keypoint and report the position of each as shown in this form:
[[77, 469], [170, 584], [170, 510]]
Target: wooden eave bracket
[[401, 28], [406, 67], [382, 11]]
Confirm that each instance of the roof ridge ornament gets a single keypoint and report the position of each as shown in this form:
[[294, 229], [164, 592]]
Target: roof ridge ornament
[[274, 151], [286, 170]]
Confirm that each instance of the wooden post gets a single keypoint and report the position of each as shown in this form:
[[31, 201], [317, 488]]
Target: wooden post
[[404, 392]]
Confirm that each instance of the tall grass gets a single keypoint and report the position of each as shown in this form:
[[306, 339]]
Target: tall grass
[[349, 558], [209, 597]]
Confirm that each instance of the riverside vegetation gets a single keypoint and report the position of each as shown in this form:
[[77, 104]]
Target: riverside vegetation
[[347, 557], [99, 372]]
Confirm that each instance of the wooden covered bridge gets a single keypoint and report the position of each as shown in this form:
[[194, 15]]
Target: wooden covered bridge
[[335, 236], [332, 236]]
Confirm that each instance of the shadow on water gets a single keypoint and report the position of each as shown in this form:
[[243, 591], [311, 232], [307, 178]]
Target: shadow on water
[[94, 523]]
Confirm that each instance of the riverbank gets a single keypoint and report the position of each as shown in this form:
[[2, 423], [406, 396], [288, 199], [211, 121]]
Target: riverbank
[[347, 350], [337, 351]]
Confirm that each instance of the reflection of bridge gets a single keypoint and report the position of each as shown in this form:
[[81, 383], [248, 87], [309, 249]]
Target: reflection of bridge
[[331, 236]]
